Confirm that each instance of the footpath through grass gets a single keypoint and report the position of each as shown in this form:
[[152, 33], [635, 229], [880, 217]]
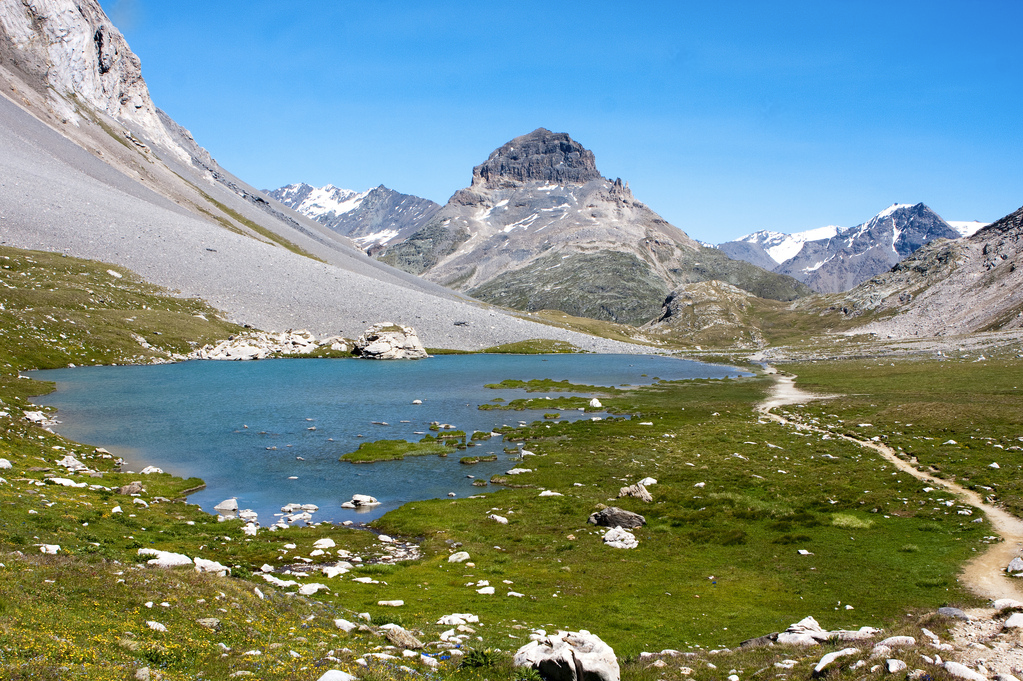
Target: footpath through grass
[[960, 419]]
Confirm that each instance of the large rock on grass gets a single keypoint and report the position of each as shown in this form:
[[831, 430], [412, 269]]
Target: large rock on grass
[[570, 656], [617, 517], [389, 341]]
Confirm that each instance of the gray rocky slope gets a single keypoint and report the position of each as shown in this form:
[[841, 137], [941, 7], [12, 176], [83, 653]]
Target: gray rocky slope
[[92, 168], [371, 218], [951, 287], [541, 228]]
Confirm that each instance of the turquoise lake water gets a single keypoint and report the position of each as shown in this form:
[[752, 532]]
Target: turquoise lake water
[[217, 420]]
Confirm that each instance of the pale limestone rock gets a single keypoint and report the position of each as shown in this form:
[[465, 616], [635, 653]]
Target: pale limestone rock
[[570, 656], [389, 341]]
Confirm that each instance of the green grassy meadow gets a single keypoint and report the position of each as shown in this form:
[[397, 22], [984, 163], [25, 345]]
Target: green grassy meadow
[[737, 498]]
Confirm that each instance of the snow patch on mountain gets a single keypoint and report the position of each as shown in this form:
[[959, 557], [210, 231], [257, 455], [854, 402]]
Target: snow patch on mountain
[[318, 202], [781, 246], [967, 228]]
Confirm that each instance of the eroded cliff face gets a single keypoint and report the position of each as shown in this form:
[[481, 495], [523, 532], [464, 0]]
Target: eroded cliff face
[[72, 51]]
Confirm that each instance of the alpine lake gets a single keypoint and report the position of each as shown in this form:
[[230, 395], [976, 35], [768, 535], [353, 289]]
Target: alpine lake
[[271, 432]]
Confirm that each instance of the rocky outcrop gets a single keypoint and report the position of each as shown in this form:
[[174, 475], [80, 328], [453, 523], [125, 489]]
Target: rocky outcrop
[[710, 312], [616, 517], [75, 51], [540, 228], [389, 341], [260, 345], [541, 156], [569, 656]]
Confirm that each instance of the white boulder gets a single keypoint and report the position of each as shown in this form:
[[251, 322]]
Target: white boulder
[[620, 539], [459, 557], [570, 656], [337, 675], [389, 341], [227, 506], [595, 403], [1015, 566], [203, 565], [5, 464], [165, 559]]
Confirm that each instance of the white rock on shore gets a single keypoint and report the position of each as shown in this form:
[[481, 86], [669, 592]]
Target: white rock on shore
[[260, 345], [389, 341]]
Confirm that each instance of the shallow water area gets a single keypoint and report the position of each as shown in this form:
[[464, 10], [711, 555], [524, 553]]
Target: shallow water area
[[270, 432]]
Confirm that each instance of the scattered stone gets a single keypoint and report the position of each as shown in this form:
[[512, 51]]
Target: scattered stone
[[132, 488], [1015, 621], [617, 517], [500, 520], [165, 559], [804, 632], [595, 403], [51, 549], [337, 675], [620, 539], [155, 626], [203, 565], [486, 591], [646, 482], [549, 493], [1015, 566], [953, 612], [636, 491], [209, 622], [570, 656], [459, 557], [458, 618], [72, 464], [344, 625], [831, 657], [1003, 603], [403, 639], [961, 671], [325, 543], [898, 641], [391, 604], [312, 588], [150, 470], [5, 464], [895, 666], [389, 341], [363, 500]]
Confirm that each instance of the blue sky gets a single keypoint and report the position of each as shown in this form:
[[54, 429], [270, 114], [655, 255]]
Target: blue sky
[[725, 117]]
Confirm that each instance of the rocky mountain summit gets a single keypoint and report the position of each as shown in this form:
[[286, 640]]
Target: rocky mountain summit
[[540, 228], [370, 218], [951, 287], [833, 259]]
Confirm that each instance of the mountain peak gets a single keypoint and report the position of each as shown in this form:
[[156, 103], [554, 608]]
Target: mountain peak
[[540, 156]]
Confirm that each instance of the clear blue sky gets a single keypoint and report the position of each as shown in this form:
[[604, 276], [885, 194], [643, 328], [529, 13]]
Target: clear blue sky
[[725, 117]]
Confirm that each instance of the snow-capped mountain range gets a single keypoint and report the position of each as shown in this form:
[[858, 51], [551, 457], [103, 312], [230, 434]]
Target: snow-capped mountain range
[[831, 259], [371, 218]]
